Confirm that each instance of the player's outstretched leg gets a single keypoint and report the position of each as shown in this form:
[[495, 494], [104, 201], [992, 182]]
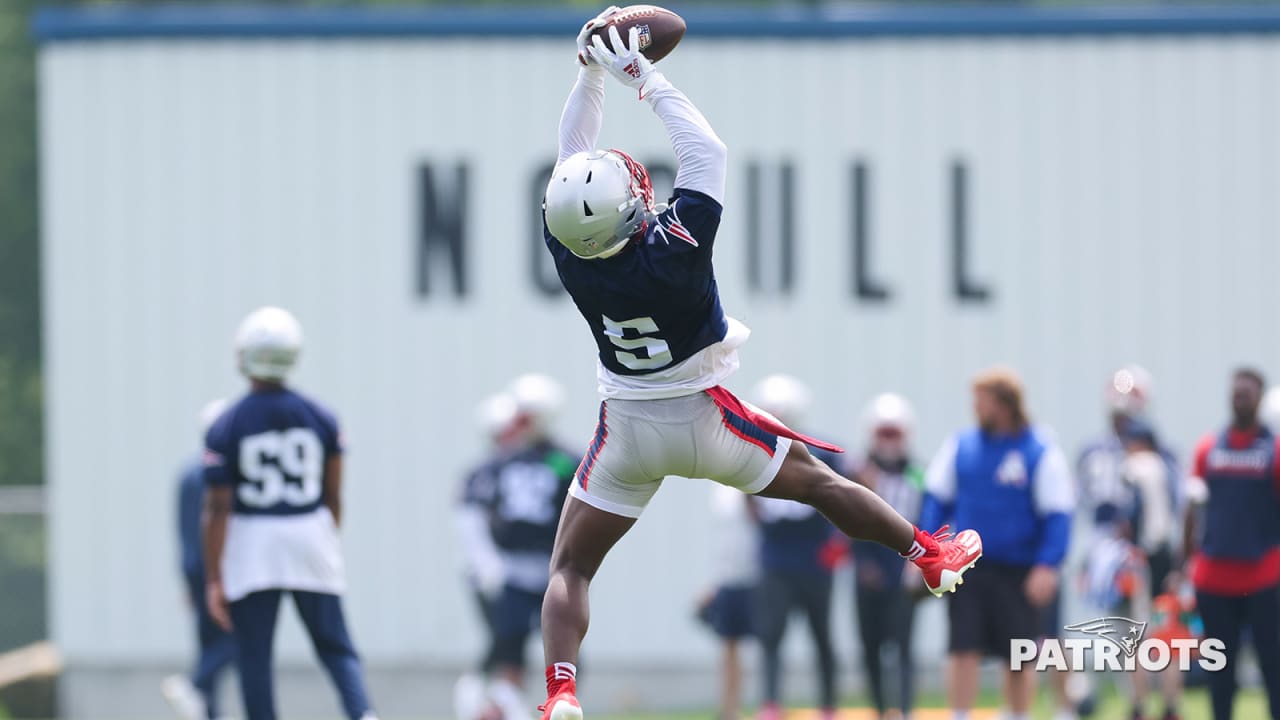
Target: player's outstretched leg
[[860, 513], [585, 536], [321, 614]]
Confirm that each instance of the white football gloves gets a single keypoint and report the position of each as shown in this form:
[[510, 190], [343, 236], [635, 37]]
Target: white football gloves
[[624, 62], [584, 36]]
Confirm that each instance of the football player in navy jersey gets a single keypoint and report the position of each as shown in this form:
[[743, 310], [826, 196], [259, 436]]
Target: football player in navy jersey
[[641, 276], [273, 478], [799, 552], [510, 509], [197, 698], [496, 415]]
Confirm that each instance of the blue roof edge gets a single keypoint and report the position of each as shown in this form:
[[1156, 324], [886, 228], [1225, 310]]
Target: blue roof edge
[[56, 24]]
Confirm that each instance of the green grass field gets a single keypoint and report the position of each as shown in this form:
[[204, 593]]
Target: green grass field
[[1250, 705]]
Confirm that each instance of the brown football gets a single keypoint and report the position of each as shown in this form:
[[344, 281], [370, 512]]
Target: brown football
[[660, 29]]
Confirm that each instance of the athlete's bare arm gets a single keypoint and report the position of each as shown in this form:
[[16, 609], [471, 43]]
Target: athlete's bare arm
[[217, 508], [333, 487]]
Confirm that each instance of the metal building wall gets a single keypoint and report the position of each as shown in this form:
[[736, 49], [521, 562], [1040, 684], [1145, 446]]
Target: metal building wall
[[1120, 203]]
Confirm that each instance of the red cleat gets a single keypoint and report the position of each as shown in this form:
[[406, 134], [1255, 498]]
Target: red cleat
[[563, 705], [944, 571]]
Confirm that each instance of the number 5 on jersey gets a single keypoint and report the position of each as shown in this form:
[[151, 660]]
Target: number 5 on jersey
[[644, 336]]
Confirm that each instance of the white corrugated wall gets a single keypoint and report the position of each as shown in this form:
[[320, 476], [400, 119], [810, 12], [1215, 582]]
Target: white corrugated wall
[[1122, 207]]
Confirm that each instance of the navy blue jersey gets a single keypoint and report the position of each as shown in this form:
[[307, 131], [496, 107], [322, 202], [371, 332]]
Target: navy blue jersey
[[901, 484], [190, 507], [656, 304], [271, 447], [793, 535], [522, 494]]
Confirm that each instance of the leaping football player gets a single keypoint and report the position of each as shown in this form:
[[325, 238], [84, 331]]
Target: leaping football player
[[642, 278]]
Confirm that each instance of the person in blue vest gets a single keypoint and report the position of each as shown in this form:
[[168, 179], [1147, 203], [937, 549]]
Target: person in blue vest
[[273, 504], [885, 590], [1011, 483], [799, 550], [196, 698], [1234, 541]]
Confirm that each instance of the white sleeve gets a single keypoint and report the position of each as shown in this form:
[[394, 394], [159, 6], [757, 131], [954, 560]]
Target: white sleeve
[[701, 157], [582, 115], [481, 553], [940, 479], [1051, 488]]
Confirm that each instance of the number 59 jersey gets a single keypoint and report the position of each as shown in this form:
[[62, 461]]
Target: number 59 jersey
[[271, 449], [654, 308]]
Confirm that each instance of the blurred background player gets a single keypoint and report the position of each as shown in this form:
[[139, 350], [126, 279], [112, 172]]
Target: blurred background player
[[643, 281], [1130, 557], [1098, 467], [885, 587], [1124, 476], [799, 550], [273, 505], [496, 417], [197, 697], [1151, 527], [508, 517], [727, 608], [1110, 497], [1235, 536], [1010, 482]]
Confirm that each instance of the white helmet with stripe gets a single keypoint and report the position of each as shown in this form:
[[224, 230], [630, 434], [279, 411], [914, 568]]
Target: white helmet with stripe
[[496, 414], [889, 422], [538, 398], [1129, 390], [267, 344], [596, 201], [210, 413], [783, 397]]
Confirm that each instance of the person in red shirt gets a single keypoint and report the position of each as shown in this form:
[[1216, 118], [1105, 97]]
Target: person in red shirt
[[1235, 565]]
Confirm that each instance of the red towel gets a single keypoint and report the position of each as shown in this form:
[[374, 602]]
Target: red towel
[[726, 400]]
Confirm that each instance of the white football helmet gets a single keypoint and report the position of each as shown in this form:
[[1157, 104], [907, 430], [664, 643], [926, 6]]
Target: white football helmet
[[783, 397], [1129, 390], [496, 414], [596, 201], [210, 413], [268, 343], [537, 396], [889, 410], [888, 423]]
